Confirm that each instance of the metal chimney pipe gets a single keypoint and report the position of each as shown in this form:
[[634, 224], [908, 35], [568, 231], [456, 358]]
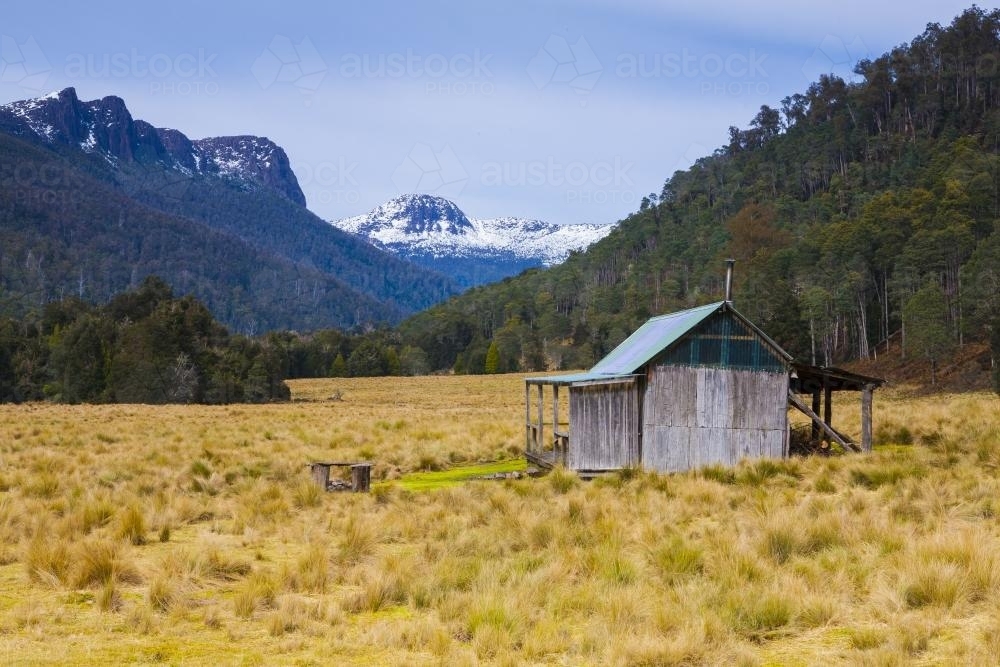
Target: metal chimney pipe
[[729, 279]]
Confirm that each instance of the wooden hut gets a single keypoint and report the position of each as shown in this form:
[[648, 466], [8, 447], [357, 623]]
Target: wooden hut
[[693, 388]]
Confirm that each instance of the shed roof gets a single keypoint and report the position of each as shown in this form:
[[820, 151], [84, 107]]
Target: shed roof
[[581, 378], [649, 340], [659, 333], [807, 379]]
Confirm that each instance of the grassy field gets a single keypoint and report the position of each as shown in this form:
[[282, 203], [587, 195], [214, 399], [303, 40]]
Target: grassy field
[[194, 535]]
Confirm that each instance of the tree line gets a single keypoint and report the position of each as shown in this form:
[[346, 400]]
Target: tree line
[[144, 346]]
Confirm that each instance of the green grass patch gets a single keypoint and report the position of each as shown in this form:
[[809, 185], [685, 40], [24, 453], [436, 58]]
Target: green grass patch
[[428, 481], [875, 476], [390, 612]]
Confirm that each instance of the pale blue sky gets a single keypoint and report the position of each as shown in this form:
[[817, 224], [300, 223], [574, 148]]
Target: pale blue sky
[[563, 111]]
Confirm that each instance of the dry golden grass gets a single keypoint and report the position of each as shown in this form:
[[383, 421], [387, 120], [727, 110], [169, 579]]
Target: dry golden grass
[[193, 535]]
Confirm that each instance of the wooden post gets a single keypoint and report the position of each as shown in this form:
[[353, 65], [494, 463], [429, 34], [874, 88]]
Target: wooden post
[[827, 405], [815, 408], [361, 477], [831, 434], [321, 474], [555, 418], [866, 418], [541, 416], [527, 417]]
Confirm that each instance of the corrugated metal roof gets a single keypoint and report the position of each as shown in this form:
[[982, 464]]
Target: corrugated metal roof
[[650, 339], [579, 377]]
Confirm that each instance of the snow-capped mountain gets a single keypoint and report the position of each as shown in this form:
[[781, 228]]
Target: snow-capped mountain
[[106, 128], [105, 199], [434, 232]]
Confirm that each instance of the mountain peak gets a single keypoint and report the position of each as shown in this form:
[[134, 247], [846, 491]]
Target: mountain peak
[[105, 127], [250, 159], [415, 214], [53, 117], [434, 232], [67, 94]]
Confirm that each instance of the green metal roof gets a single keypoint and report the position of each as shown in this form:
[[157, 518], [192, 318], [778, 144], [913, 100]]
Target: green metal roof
[[649, 340], [656, 335]]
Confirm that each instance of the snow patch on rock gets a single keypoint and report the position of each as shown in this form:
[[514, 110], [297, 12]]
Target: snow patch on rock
[[428, 225]]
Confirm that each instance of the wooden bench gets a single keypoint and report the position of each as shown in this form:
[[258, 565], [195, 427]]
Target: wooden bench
[[361, 474]]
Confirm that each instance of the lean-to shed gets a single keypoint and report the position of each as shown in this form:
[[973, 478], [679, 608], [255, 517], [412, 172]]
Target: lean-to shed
[[698, 387], [688, 389], [693, 388]]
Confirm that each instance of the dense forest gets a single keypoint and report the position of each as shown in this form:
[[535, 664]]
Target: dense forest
[[858, 213], [273, 225], [145, 346]]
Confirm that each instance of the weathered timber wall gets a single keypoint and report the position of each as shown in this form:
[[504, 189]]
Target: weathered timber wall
[[604, 422], [696, 416]]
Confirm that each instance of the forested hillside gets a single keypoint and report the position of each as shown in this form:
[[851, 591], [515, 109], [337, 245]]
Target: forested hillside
[[65, 233], [280, 227], [857, 213], [92, 201]]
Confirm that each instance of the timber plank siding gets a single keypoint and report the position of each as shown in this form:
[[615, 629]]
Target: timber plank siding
[[605, 426], [697, 416]]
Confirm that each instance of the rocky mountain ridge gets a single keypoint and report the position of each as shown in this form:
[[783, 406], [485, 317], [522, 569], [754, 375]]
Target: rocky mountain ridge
[[105, 127]]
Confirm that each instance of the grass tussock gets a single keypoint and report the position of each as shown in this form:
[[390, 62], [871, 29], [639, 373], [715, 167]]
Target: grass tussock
[[358, 539], [313, 569], [96, 513], [379, 592], [258, 592], [758, 616], [109, 598], [677, 559], [162, 594], [196, 529], [97, 561], [132, 525], [216, 564], [47, 560], [307, 494]]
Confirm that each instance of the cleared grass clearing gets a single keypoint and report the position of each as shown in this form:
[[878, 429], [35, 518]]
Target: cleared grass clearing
[[194, 535]]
